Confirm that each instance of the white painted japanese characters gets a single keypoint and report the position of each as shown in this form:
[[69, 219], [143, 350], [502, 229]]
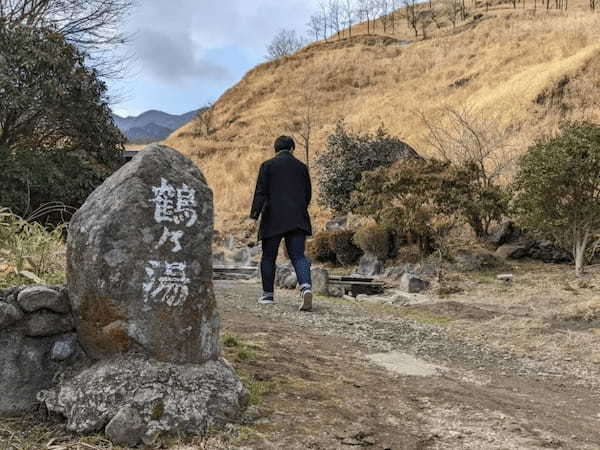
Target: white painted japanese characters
[[166, 281]]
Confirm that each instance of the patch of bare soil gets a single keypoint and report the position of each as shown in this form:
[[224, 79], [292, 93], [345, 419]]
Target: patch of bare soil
[[325, 393]]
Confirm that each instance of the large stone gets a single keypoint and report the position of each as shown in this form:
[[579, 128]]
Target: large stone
[[9, 315], [412, 283], [126, 428], [369, 266], [139, 264], [25, 369], [320, 280], [45, 323], [64, 347], [512, 251], [291, 281], [282, 273], [148, 398], [34, 298], [476, 260]]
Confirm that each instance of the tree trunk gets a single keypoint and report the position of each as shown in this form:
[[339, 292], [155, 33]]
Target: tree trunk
[[580, 247]]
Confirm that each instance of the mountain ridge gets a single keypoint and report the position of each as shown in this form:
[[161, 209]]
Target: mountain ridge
[[152, 125]]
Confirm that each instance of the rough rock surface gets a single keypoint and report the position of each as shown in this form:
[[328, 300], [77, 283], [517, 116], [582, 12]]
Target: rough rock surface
[[137, 399], [27, 344], [320, 280], [291, 281], [474, 261], [413, 283], [139, 263], [34, 298], [369, 266]]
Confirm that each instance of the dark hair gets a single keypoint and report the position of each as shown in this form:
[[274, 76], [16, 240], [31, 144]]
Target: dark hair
[[284, 143]]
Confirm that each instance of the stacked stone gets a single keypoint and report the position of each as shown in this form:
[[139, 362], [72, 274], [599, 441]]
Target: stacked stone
[[37, 341]]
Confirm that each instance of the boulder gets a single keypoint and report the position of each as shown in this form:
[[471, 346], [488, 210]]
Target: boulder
[[369, 266], [139, 264], [9, 315], [34, 298], [282, 272], [507, 232], [512, 251], [291, 281], [45, 323], [477, 260], [320, 280], [412, 283], [137, 400], [336, 291]]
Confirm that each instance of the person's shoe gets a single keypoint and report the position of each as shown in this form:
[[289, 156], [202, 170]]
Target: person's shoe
[[266, 300], [306, 298]]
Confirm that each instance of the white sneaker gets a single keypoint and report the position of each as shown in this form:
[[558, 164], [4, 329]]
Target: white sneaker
[[306, 297], [266, 300]]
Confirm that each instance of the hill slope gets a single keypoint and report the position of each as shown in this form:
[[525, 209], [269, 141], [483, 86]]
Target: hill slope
[[527, 71]]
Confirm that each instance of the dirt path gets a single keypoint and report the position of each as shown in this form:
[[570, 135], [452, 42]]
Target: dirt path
[[324, 393]]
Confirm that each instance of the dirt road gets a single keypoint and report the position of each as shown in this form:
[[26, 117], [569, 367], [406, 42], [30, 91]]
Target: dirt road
[[321, 391]]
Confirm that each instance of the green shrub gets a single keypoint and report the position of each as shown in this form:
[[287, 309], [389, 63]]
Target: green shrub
[[347, 156], [557, 188], [319, 249], [375, 239], [342, 244]]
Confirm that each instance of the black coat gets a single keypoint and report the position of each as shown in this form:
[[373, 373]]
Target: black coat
[[282, 196]]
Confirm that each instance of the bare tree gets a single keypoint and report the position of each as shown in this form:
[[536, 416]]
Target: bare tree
[[348, 8], [206, 118], [464, 136], [284, 43], [412, 15], [335, 16], [452, 10], [324, 14], [364, 10], [314, 26], [383, 7], [303, 117], [95, 26]]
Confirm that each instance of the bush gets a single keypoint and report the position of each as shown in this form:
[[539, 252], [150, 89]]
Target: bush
[[347, 156], [376, 240], [342, 244], [416, 198], [318, 248], [557, 188]]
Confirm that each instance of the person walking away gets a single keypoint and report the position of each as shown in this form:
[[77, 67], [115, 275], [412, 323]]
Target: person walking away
[[281, 198]]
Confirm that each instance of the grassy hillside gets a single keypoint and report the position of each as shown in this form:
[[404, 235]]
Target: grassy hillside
[[526, 70]]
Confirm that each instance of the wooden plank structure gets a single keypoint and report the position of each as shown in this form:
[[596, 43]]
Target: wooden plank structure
[[350, 285], [233, 273], [357, 285]]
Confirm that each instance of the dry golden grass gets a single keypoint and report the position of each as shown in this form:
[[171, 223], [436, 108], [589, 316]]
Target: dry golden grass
[[529, 71]]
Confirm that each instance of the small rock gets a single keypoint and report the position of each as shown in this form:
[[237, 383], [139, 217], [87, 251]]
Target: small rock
[[9, 315], [507, 277], [64, 348], [126, 428], [412, 283], [335, 291], [34, 298], [320, 281], [47, 324], [290, 281]]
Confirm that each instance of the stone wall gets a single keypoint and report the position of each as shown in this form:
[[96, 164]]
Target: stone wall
[[37, 342]]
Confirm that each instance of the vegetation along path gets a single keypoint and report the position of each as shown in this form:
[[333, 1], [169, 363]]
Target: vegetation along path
[[315, 387]]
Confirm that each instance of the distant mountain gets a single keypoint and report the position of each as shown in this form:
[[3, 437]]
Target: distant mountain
[[152, 125]]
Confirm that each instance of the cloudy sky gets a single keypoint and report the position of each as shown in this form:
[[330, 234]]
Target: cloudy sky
[[188, 52]]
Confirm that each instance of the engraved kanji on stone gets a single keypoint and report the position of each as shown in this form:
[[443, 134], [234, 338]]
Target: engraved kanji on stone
[[174, 205], [173, 237], [166, 283]]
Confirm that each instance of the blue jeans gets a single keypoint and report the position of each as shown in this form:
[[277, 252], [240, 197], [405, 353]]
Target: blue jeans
[[294, 243]]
